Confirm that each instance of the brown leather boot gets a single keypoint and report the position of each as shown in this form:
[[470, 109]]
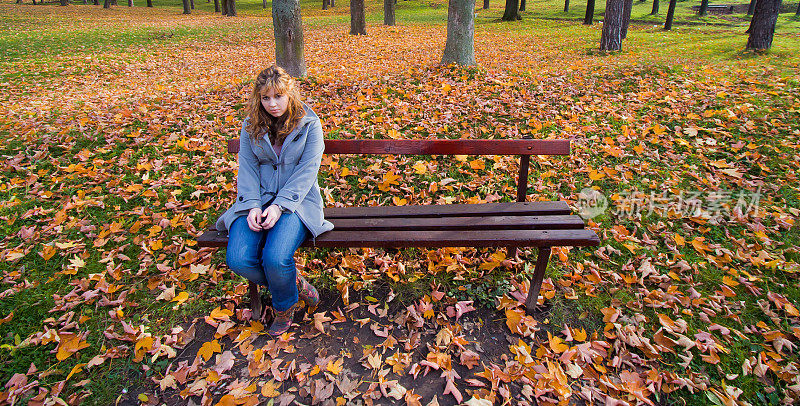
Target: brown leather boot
[[307, 292], [282, 321]]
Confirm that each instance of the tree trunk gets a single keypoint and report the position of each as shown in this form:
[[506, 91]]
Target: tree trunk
[[460, 45], [566, 6], [762, 26], [186, 7], [64, 2], [703, 8], [611, 39], [388, 12], [224, 7], [512, 11], [95, 2], [522, 5], [751, 7], [150, 3], [333, 3], [231, 8], [670, 15], [797, 13], [357, 23], [216, 6], [654, 11], [130, 3], [485, 4], [106, 3], [626, 17], [191, 4], [587, 19], [325, 4], [287, 23], [264, 4]]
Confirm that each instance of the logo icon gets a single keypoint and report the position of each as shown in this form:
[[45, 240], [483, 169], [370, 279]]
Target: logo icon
[[591, 203]]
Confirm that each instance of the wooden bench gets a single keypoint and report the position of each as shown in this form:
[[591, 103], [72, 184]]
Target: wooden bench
[[512, 224]]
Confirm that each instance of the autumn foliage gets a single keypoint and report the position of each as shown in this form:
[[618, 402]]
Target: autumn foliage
[[114, 162]]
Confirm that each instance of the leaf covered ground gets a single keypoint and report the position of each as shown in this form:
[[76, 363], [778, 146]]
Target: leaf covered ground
[[113, 126]]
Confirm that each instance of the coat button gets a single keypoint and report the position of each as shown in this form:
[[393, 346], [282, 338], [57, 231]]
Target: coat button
[[295, 197], [241, 198], [274, 167]]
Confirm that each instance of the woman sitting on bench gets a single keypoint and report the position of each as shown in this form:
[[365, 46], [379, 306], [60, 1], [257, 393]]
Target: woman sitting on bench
[[278, 203]]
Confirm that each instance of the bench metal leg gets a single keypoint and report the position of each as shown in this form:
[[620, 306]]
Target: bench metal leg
[[538, 276], [255, 301]]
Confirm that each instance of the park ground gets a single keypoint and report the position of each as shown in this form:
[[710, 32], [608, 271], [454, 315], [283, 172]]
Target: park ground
[[112, 130]]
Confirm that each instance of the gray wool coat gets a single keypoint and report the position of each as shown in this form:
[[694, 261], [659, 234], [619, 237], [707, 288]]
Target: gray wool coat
[[290, 179]]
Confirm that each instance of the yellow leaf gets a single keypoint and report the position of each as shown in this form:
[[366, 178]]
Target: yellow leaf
[[181, 297], [335, 367], [557, 344], [208, 349], [69, 343], [420, 167], [76, 369], [142, 397], [142, 346], [579, 335], [594, 175], [679, 240], [270, 389], [156, 245], [399, 201], [477, 165], [729, 281]]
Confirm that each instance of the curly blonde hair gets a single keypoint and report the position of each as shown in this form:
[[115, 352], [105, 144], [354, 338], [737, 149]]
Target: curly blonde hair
[[260, 121]]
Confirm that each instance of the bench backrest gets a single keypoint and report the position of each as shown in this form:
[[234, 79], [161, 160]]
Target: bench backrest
[[524, 148]]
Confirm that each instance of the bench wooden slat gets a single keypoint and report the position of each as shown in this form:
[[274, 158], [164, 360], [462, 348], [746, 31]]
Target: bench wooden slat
[[439, 147], [473, 238], [452, 210], [460, 223], [436, 239]]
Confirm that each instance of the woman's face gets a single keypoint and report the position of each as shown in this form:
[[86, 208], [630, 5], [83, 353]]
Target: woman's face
[[275, 104]]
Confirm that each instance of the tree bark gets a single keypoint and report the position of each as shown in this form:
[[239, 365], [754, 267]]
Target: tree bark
[[589, 17], [325, 4], [626, 17], [654, 11], [762, 26], [216, 6], [186, 7], [191, 4], [797, 13], [224, 7], [566, 6], [670, 15], [106, 3], [485, 4], [263, 4], [333, 3], [460, 45], [150, 3], [611, 39], [751, 8], [703, 8], [130, 3], [94, 2], [231, 8], [388, 12], [288, 28], [512, 11], [522, 5], [64, 2], [358, 25]]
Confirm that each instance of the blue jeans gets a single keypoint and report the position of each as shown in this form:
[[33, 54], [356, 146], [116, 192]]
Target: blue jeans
[[267, 257]]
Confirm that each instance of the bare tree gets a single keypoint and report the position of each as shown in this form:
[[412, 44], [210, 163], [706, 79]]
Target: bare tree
[[358, 24], [589, 17], [485, 4], [231, 8], [762, 26], [670, 15], [388, 12], [187, 9], [703, 8], [566, 6], [150, 3], [216, 6], [288, 26], [751, 8], [522, 5], [106, 3], [611, 39], [325, 4], [460, 45], [626, 17], [654, 11], [512, 11]]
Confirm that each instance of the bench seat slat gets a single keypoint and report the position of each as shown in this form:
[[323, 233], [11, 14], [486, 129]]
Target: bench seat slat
[[435, 239], [456, 238], [439, 147], [452, 210], [459, 223]]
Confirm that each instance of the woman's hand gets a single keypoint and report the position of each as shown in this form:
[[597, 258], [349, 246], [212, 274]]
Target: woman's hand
[[271, 216], [254, 219]]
